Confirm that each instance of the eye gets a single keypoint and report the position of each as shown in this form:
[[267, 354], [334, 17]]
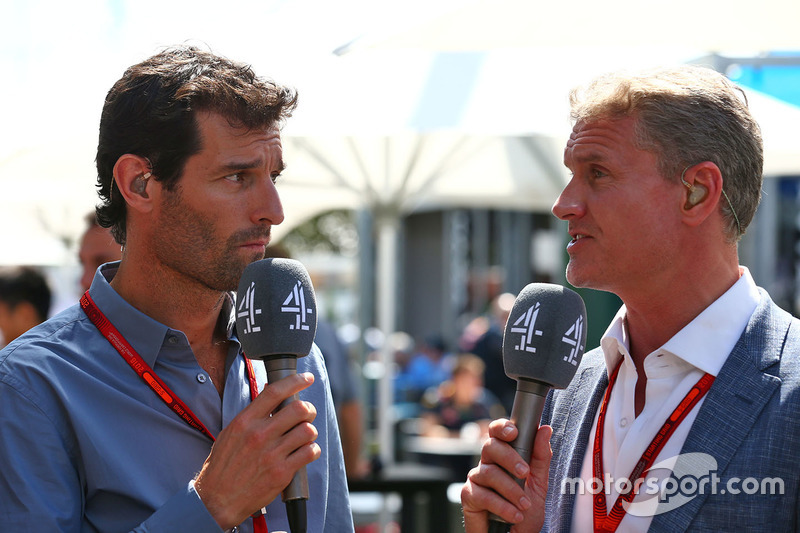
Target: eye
[[597, 173], [235, 178], [275, 176]]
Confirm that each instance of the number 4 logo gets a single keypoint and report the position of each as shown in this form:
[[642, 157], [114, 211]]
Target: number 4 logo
[[573, 338], [526, 325], [296, 303], [248, 311]]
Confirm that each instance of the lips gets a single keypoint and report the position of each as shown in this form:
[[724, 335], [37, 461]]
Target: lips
[[254, 239], [577, 237], [260, 242]]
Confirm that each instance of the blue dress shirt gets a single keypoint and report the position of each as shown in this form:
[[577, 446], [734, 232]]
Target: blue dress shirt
[[86, 445]]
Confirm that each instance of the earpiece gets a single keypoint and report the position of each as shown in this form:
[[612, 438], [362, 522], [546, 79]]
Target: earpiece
[[140, 184], [696, 193]]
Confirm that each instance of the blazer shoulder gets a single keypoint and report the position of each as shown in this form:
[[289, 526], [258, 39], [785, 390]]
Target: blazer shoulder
[[772, 336]]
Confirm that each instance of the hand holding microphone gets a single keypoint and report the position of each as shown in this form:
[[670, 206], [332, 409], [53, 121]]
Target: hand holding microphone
[[543, 343], [276, 322]]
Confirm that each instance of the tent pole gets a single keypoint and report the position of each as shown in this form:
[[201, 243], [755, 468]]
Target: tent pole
[[387, 253]]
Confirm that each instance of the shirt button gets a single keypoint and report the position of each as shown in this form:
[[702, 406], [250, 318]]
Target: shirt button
[[623, 422], [173, 339], [201, 378]]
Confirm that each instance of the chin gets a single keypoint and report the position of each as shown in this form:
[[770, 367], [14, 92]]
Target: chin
[[574, 277], [581, 279], [588, 282]]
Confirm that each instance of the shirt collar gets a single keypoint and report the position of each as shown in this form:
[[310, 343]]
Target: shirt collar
[[706, 341], [146, 335]]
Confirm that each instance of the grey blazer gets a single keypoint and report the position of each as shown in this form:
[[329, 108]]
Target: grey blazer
[[749, 422]]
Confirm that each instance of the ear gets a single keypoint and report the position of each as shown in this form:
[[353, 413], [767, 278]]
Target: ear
[[133, 176], [703, 189]]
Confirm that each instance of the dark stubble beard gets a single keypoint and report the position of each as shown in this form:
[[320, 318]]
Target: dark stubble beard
[[188, 243]]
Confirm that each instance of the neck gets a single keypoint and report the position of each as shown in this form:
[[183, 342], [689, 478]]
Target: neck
[[175, 301], [654, 317]]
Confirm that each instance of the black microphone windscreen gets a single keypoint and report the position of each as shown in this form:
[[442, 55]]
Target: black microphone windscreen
[[276, 309], [545, 336]]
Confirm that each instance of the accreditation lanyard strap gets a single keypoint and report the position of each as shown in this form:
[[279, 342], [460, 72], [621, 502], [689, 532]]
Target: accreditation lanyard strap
[[155, 383], [603, 523]]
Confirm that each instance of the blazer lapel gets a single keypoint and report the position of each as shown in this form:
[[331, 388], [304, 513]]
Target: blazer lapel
[[732, 405], [572, 422]]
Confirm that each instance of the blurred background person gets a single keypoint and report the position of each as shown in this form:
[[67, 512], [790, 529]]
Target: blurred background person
[[97, 247], [429, 365], [25, 298], [345, 390], [461, 407], [489, 347]]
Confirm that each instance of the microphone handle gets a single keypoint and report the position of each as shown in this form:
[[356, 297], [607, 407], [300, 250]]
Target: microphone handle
[[526, 414], [296, 492]]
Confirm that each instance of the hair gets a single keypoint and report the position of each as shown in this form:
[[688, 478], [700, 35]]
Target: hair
[[469, 363], [687, 115], [25, 284], [151, 112]]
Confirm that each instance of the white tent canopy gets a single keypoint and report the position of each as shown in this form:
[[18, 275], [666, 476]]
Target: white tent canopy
[[778, 121], [401, 130], [707, 26]]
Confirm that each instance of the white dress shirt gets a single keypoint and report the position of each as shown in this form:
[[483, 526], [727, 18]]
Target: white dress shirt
[[672, 370]]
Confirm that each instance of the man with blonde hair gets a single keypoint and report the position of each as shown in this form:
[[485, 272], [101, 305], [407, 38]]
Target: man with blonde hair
[[686, 417]]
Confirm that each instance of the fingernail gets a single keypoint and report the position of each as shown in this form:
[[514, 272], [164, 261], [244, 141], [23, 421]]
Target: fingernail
[[521, 469], [518, 517], [507, 431], [525, 503]]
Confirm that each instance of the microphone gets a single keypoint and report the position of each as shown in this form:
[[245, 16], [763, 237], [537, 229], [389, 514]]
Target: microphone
[[543, 344], [276, 322]]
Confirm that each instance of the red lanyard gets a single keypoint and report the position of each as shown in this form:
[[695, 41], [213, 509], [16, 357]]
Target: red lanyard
[[161, 389], [609, 523]]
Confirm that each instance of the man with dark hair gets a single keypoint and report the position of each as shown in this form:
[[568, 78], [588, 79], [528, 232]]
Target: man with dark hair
[[24, 300], [687, 416], [136, 409]]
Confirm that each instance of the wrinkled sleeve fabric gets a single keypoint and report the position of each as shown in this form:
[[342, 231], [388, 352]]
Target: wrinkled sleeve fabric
[[41, 484], [183, 512]]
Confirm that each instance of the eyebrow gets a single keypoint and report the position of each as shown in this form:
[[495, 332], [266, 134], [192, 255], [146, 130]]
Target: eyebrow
[[584, 158], [233, 166], [589, 157]]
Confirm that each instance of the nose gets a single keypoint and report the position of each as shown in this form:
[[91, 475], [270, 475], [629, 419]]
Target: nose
[[568, 204], [268, 205]]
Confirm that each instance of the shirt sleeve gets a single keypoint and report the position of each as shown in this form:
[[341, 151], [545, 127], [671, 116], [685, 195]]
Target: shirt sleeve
[[41, 483], [183, 512], [327, 480]]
